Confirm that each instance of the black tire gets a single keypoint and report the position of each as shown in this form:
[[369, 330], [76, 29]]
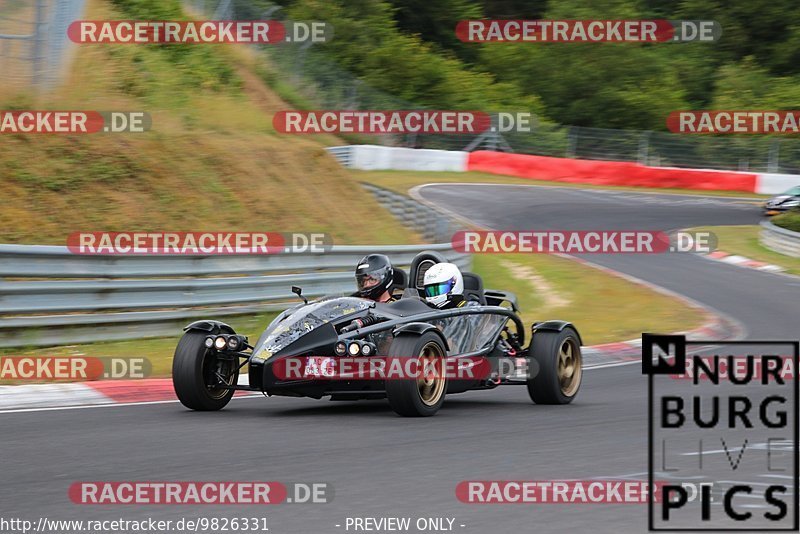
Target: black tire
[[410, 397], [191, 367], [549, 383]]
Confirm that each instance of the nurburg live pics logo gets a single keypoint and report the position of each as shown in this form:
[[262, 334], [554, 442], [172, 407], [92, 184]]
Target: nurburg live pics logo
[[735, 434]]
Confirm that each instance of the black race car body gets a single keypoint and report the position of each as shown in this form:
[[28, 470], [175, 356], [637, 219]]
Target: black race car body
[[487, 329], [314, 330]]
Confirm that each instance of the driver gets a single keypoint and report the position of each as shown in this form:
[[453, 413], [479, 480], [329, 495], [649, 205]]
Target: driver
[[444, 286], [374, 278]]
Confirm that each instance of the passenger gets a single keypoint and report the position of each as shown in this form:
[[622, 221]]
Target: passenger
[[444, 286]]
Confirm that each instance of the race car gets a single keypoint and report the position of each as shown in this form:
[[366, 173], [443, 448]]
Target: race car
[[303, 351], [783, 202]]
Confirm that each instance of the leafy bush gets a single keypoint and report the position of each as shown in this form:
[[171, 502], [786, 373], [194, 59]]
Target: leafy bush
[[789, 220]]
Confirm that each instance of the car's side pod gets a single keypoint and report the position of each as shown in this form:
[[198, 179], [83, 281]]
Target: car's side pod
[[419, 329], [207, 325], [554, 326]]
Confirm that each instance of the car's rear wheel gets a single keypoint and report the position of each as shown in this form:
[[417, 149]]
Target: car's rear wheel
[[424, 395], [199, 372], [557, 369]]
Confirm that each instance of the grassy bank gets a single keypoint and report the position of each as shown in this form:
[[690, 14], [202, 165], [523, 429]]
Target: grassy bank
[[212, 160]]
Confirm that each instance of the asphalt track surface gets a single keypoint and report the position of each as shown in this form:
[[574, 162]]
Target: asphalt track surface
[[383, 465]]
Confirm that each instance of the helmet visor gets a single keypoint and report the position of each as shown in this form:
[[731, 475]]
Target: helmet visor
[[377, 280], [367, 281], [440, 288]]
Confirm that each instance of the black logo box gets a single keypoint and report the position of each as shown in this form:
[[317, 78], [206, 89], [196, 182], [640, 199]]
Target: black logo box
[[678, 366]]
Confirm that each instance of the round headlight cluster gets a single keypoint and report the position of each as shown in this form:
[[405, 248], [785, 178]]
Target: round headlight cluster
[[355, 348], [232, 343]]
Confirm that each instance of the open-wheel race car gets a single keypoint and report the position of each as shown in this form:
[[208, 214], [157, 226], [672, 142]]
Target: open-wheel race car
[[298, 353]]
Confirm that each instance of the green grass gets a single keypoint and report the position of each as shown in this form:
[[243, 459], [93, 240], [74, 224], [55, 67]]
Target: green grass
[[605, 308], [743, 240], [789, 220]]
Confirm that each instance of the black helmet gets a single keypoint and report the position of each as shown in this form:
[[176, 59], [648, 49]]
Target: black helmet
[[374, 276]]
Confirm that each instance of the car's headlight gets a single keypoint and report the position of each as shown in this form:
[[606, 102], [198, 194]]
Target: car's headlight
[[220, 343], [234, 343], [354, 348], [340, 349]]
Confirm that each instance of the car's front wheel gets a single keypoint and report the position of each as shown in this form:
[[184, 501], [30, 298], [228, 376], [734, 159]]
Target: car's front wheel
[[423, 395], [557, 367], [200, 374]]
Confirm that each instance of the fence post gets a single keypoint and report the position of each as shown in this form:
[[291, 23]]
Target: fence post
[[773, 161], [644, 147], [38, 43], [572, 142], [222, 11]]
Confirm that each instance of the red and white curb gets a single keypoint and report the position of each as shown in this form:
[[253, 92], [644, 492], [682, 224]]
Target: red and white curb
[[742, 261], [35, 397]]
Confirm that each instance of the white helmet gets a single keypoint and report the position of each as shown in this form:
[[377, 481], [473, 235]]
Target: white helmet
[[441, 282]]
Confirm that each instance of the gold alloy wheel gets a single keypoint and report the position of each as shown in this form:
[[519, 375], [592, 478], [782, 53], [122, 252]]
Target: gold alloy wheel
[[431, 380], [569, 367]]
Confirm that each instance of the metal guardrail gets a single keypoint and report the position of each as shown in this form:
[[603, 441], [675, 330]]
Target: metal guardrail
[[343, 154], [780, 239], [103, 297], [430, 224]]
